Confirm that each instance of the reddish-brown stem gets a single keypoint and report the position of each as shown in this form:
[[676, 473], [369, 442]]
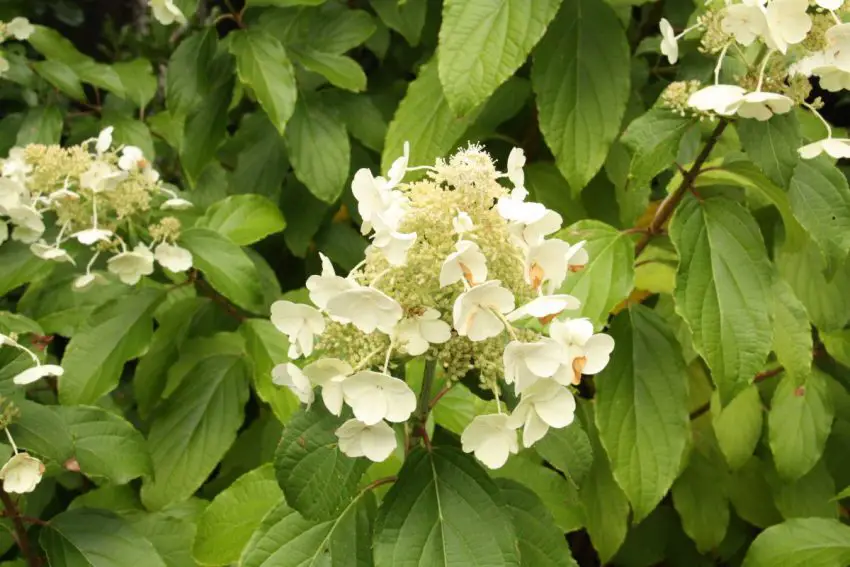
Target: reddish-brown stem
[[761, 376], [439, 395], [380, 482], [669, 204], [27, 550]]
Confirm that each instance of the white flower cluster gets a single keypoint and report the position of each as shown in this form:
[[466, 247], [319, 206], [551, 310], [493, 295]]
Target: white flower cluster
[[17, 28], [87, 191], [388, 295], [798, 39]]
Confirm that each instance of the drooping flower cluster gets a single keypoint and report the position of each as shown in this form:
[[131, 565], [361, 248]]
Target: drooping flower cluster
[[59, 200], [19, 29], [458, 270], [798, 41]]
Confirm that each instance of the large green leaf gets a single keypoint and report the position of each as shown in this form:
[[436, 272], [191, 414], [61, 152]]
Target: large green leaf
[[653, 139], [820, 199], [20, 266], [444, 511], [723, 289], [172, 331], [738, 425], [340, 70], [187, 78], [139, 82], [826, 299], [772, 145], [813, 542], [483, 42], [700, 494], [262, 64], [431, 137], [568, 450], [406, 18], [811, 495], [799, 423], [318, 147], [559, 496], [244, 219], [609, 277], [194, 428], [205, 130], [60, 76], [170, 534], [287, 539], [581, 78], [95, 538], [226, 266], [541, 543], [268, 347], [228, 522], [792, 333], [317, 479], [606, 506], [41, 125], [95, 357], [41, 430], [106, 446], [641, 407]]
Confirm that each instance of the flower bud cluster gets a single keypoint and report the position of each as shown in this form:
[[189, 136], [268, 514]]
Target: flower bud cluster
[[56, 199], [798, 41], [457, 267]]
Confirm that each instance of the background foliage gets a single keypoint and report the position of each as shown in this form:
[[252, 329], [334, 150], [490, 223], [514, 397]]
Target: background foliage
[[718, 434]]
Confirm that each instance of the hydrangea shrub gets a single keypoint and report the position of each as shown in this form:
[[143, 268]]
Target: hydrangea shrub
[[424, 282]]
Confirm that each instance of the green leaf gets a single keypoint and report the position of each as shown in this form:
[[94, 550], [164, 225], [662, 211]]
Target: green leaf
[[820, 199], [772, 145], [746, 175], [18, 324], [244, 219], [813, 542], [198, 349], [226, 266], [443, 511], [728, 307], [286, 539], [837, 344], [811, 495], [340, 70], [20, 266], [609, 276], [60, 76], [458, 407], [267, 347], [130, 132], [95, 538], [117, 332], [318, 147], [194, 428], [187, 79], [581, 78], [568, 450], [317, 479], [751, 495], [40, 429], [738, 425], [559, 496], [138, 79], [483, 42], [106, 445], [263, 65], [606, 506], [150, 377], [653, 139], [41, 125], [541, 543], [226, 525], [799, 423], [700, 495], [406, 18], [826, 300], [205, 130], [792, 333], [641, 408], [545, 182], [172, 536], [261, 161], [429, 138]]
